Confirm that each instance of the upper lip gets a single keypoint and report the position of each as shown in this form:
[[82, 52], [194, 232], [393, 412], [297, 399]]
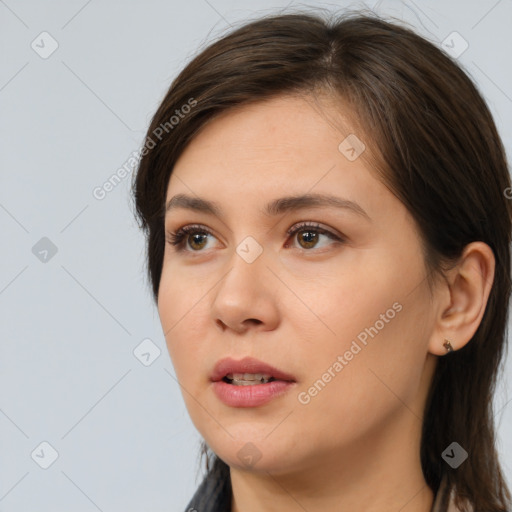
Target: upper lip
[[247, 365]]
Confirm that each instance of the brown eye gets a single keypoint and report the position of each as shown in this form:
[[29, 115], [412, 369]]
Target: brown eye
[[309, 234], [198, 238], [196, 235], [309, 237]]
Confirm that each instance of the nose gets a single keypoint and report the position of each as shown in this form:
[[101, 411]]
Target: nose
[[246, 297]]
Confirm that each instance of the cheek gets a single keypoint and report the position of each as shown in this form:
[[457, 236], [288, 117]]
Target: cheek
[[377, 382], [381, 335], [177, 305], [181, 294]]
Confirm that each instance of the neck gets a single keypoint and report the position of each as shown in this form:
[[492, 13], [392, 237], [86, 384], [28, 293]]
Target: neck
[[375, 474]]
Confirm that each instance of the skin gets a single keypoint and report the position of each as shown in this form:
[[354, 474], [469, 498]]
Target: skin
[[299, 306]]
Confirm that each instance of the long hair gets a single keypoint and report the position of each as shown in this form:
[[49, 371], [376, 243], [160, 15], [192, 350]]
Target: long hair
[[435, 146]]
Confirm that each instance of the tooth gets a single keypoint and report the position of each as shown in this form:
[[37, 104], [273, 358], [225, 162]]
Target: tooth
[[248, 376], [246, 383], [249, 382]]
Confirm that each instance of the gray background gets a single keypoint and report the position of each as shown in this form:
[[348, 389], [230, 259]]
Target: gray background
[[71, 321]]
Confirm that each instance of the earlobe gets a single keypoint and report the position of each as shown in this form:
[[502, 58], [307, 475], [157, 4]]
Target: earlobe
[[463, 299]]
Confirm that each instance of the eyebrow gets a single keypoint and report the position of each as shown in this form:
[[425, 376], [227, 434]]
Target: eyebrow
[[273, 208]]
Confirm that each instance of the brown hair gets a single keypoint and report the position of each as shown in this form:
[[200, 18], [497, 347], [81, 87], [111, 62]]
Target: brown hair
[[434, 144]]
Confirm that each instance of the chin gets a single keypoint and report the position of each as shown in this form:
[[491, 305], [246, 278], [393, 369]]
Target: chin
[[247, 454]]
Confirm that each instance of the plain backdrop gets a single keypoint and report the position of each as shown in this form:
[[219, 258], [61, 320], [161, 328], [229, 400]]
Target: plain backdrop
[[91, 417]]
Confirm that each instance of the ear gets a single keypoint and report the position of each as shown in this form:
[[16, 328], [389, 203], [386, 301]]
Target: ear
[[462, 298]]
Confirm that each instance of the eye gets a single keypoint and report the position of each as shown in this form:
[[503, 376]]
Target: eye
[[310, 233], [196, 232], [197, 235]]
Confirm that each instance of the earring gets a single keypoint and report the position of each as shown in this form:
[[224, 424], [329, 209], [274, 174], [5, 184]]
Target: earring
[[448, 346]]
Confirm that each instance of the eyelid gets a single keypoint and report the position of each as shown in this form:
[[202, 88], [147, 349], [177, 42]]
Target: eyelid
[[305, 224]]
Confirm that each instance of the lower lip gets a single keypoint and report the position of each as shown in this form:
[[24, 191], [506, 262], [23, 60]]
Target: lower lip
[[250, 396]]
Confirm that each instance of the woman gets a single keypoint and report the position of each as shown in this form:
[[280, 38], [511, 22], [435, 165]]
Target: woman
[[328, 245]]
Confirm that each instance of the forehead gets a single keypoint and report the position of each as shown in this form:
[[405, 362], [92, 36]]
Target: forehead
[[284, 140]]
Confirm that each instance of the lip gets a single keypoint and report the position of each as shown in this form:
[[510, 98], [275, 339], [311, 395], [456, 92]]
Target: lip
[[247, 365], [249, 396]]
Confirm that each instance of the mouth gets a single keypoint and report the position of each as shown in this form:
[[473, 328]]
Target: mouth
[[247, 372], [249, 382]]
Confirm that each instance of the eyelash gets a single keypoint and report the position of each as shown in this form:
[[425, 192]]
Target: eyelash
[[178, 239]]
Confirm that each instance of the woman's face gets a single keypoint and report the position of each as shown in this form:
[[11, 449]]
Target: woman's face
[[342, 307]]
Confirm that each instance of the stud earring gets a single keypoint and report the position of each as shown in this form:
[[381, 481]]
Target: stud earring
[[448, 346]]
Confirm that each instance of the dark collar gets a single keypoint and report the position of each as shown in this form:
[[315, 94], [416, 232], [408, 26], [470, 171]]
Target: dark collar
[[214, 493]]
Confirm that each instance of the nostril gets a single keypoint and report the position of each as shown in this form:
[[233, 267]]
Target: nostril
[[254, 320], [240, 328]]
